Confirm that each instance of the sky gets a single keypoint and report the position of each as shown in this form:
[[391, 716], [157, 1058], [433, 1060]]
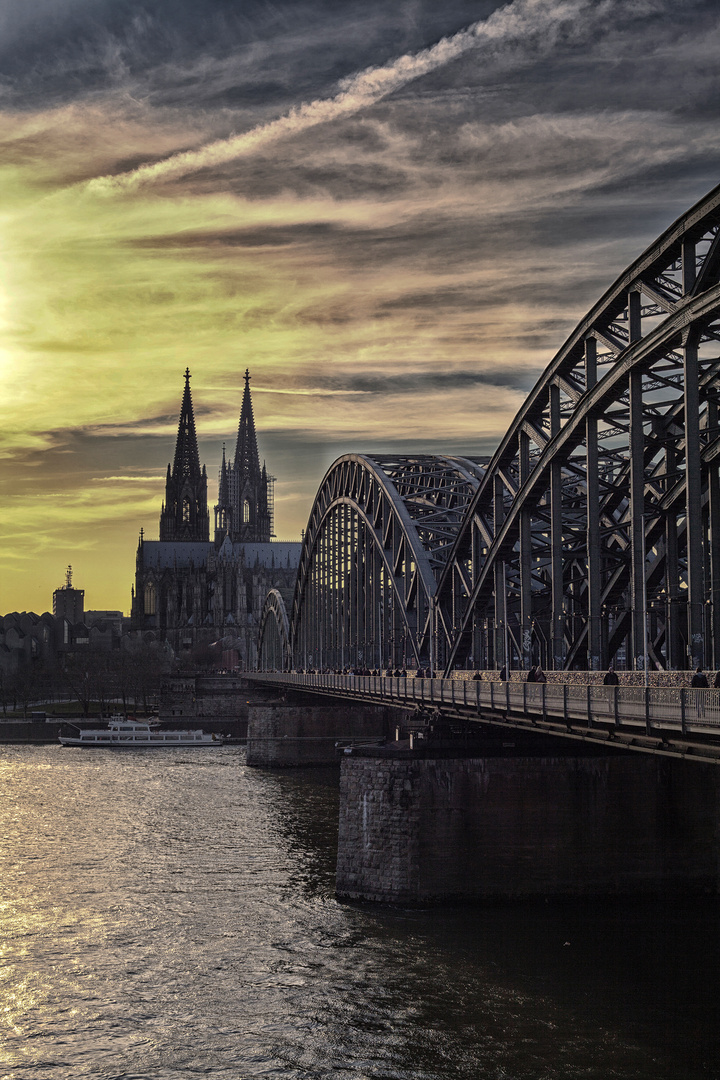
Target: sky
[[392, 213]]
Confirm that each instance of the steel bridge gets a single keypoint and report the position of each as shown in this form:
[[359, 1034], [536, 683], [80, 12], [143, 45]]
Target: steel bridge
[[590, 538]]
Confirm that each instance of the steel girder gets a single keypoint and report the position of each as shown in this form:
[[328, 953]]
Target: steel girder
[[379, 535], [274, 639], [595, 533]]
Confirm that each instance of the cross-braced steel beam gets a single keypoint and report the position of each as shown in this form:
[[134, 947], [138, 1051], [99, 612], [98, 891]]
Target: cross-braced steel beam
[[593, 535]]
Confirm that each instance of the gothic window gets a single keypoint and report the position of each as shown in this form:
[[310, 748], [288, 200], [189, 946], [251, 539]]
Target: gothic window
[[186, 511], [150, 598], [246, 511]]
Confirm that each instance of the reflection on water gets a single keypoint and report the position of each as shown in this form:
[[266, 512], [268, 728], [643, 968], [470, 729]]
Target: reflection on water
[[171, 913]]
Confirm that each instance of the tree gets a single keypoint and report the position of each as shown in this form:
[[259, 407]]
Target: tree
[[77, 675], [141, 668]]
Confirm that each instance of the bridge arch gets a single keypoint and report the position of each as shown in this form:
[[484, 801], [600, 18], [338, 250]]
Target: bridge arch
[[274, 637], [378, 537], [594, 535]]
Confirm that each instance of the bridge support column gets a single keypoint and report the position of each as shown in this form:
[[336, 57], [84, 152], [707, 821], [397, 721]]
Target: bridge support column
[[424, 830], [283, 734]]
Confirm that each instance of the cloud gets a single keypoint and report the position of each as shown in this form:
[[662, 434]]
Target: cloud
[[521, 20], [396, 253]]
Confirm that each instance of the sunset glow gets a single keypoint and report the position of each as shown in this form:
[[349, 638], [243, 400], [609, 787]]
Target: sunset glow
[[392, 215]]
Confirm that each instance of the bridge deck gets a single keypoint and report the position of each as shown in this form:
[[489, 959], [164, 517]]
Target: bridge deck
[[673, 721]]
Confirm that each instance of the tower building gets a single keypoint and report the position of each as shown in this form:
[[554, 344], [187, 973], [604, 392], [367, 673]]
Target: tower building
[[244, 510], [69, 603], [251, 518]]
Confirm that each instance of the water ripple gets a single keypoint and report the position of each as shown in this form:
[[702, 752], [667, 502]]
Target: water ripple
[[172, 915]]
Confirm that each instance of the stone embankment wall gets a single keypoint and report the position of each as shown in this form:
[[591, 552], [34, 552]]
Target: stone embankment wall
[[27, 731], [417, 831], [283, 734], [201, 699]]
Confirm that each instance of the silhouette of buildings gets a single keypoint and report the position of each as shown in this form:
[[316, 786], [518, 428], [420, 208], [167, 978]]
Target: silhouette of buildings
[[192, 591], [28, 639]]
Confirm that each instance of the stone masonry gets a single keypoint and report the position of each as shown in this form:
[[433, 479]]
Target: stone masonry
[[420, 830], [285, 733], [205, 698]]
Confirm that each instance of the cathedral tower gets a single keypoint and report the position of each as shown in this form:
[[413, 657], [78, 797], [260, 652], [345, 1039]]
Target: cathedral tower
[[184, 513], [249, 486]]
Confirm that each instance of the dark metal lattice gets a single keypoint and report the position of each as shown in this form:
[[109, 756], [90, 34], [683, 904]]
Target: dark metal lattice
[[593, 534]]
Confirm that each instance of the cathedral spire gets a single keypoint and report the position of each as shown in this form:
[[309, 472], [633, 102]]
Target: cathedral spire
[[187, 458], [247, 459], [248, 485], [223, 509], [223, 486], [185, 513]]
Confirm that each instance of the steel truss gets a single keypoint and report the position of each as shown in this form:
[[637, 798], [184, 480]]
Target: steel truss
[[595, 533], [377, 541]]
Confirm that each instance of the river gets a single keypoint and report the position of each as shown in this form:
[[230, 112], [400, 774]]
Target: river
[[170, 914]]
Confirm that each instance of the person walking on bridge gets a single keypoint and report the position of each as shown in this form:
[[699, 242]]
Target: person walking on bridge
[[699, 682], [699, 679]]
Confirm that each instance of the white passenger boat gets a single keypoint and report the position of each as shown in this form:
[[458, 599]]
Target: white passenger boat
[[125, 733]]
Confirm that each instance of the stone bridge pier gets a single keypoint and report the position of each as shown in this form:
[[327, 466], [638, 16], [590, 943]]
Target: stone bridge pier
[[513, 818], [295, 729]]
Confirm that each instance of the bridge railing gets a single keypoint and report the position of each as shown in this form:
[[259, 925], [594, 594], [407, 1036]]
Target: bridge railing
[[674, 708]]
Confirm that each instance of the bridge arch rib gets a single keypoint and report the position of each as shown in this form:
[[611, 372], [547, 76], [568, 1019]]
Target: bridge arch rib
[[594, 535], [378, 537], [274, 637]]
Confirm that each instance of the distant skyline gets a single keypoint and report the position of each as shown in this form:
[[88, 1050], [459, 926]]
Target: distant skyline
[[393, 214]]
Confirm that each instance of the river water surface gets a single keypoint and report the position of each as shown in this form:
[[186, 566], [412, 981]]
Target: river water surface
[[171, 914]]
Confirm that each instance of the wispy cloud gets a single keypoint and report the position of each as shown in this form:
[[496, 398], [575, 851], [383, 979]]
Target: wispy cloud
[[523, 19]]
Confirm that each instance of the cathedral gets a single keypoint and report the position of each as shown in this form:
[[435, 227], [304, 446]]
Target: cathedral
[[198, 593]]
